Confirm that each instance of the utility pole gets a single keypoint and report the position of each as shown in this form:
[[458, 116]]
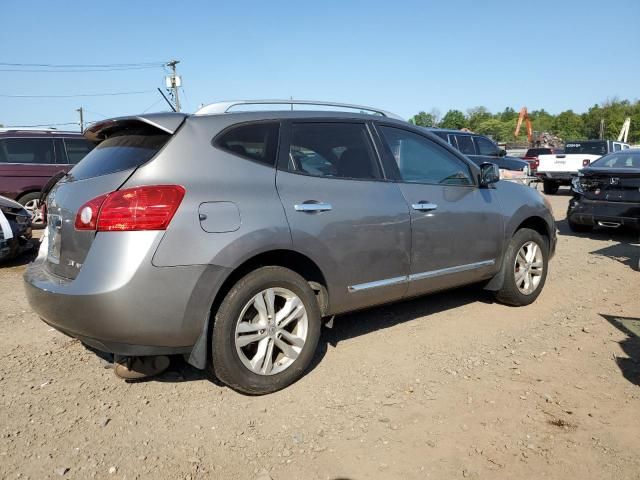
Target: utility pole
[[81, 112], [174, 81]]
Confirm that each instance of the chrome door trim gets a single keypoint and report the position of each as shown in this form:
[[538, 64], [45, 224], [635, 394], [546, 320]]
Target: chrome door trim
[[378, 283], [449, 270], [419, 276], [312, 207]]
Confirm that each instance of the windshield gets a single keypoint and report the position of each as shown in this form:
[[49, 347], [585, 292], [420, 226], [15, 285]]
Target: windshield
[[619, 160], [598, 147]]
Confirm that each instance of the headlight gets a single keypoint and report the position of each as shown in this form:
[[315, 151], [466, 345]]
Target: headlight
[[575, 185]]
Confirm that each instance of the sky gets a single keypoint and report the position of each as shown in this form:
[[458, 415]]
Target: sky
[[403, 56]]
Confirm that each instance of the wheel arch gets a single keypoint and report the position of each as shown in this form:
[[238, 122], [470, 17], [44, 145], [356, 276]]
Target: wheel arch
[[533, 222], [291, 259]]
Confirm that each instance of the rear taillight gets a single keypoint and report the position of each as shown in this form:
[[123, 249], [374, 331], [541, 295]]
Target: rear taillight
[[585, 162], [139, 208]]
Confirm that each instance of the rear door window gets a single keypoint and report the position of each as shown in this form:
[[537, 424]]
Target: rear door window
[[254, 141], [465, 144], [487, 147], [338, 150], [77, 149], [27, 150], [123, 150]]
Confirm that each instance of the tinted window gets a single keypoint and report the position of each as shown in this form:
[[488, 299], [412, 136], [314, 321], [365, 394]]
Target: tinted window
[[443, 135], [465, 144], [422, 161], [340, 150], [620, 160], [590, 148], [77, 149], [123, 150], [486, 147], [26, 150], [255, 141]]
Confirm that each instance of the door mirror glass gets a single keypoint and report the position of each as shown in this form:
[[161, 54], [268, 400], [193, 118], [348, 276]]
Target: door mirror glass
[[489, 173], [503, 152]]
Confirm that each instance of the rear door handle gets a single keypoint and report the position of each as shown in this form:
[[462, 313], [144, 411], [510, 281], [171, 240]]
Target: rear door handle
[[312, 207], [424, 206]]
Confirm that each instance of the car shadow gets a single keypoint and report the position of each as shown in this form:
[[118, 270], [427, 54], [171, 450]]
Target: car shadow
[[625, 251], [364, 322], [630, 326], [344, 327]]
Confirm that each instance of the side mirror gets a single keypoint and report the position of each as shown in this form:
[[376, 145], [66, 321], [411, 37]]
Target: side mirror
[[489, 173], [502, 153]]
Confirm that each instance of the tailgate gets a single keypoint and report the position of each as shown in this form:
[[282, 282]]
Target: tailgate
[[124, 145]]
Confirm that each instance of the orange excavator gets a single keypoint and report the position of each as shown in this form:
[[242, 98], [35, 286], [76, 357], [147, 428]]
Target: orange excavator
[[524, 116]]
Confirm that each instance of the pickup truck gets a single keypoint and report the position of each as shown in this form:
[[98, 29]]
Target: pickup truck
[[559, 169]]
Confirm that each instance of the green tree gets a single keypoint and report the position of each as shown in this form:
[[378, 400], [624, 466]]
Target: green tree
[[477, 115], [508, 115], [423, 119], [453, 119], [569, 126]]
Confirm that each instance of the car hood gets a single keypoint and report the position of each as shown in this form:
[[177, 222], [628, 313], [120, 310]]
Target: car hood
[[8, 203]]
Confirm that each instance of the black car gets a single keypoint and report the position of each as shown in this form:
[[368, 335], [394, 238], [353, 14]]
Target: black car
[[15, 229], [481, 149], [607, 193]]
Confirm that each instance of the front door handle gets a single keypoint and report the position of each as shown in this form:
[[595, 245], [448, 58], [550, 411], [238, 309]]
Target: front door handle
[[312, 207], [424, 206]]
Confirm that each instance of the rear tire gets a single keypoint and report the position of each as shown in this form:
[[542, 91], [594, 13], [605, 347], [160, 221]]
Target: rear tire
[[254, 349], [525, 268], [550, 187], [31, 202]]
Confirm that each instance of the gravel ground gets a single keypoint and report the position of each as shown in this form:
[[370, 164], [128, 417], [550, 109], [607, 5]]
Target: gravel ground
[[447, 386]]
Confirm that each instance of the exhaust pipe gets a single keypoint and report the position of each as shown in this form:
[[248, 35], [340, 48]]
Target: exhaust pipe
[[609, 224]]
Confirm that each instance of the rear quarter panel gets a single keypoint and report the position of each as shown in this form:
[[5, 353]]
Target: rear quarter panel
[[211, 175]]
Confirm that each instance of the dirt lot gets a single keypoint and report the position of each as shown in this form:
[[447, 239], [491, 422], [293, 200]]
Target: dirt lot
[[448, 386]]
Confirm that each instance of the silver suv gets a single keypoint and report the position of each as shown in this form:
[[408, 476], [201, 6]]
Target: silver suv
[[229, 236]]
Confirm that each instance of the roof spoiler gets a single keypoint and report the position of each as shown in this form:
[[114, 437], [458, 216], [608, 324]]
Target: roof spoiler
[[167, 122]]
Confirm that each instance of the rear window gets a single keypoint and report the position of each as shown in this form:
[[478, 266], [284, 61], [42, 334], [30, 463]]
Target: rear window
[[77, 149], [26, 150], [123, 150], [534, 152], [587, 148], [254, 141]]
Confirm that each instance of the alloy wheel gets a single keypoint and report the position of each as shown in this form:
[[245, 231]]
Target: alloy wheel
[[271, 331], [528, 268]]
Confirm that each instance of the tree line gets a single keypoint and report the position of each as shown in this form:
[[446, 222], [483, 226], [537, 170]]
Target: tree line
[[567, 125]]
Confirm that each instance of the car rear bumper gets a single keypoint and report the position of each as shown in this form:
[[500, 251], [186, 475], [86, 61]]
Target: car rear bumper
[[556, 176], [117, 308], [604, 214]]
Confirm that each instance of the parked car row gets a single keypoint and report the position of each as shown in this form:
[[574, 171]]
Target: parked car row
[[228, 236], [29, 158]]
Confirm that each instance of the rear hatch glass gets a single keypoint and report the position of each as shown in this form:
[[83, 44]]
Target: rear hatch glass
[[125, 149]]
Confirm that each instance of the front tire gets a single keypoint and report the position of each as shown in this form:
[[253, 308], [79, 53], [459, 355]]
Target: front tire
[[550, 187], [525, 264], [266, 331]]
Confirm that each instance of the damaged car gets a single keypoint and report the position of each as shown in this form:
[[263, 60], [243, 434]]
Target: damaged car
[[607, 193], [15, 229]]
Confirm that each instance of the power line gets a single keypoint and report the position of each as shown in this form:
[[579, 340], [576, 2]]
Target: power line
[[110, 94], [77, 70], [104, 65], [41, 125]]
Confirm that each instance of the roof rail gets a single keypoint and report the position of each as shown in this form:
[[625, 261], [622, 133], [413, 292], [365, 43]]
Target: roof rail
[[224, 107]]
